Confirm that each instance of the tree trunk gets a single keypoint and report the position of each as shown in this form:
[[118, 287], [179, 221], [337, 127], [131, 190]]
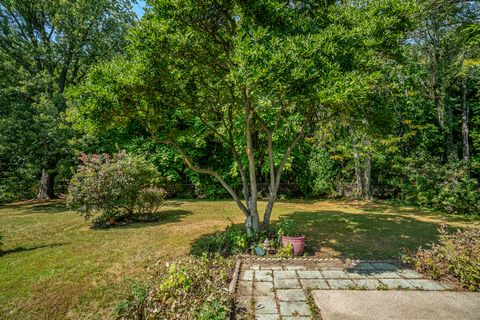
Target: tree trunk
[[367, 171], [45, 191], [466, 148]]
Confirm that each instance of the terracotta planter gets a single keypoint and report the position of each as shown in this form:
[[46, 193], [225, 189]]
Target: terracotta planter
[[298, 244]]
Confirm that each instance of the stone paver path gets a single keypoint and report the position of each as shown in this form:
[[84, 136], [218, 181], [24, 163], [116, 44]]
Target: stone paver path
[[279, 290]]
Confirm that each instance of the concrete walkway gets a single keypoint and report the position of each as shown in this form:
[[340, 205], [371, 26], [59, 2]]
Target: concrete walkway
[[286, 290], [397, 305]]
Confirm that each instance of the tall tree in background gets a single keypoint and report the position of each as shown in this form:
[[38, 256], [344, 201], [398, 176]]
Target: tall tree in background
[[49, 45], [257, 75]]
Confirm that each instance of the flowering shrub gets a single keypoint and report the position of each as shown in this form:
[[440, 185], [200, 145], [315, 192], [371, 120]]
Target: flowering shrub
[[194, 288], [456, 255], [109, 189]]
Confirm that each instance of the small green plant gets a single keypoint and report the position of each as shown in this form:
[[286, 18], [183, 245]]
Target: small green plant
[[189, 289], [314, 311], [456, 255], [288, 228], [285, 252]]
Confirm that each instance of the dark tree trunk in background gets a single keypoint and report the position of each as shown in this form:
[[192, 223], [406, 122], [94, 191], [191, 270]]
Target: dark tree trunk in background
[[45, 191], [367, 172], [466, 148]]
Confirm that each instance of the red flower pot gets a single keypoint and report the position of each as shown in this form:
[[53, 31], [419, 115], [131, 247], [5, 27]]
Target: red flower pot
[[298, 244]]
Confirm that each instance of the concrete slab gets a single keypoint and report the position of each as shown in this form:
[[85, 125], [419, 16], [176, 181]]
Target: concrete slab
[[310, 274], [335, 274], [263, 275], [267, 317], [294, 309], [314, 284], [286, 283], [397, 305], [367, 284], [397, 283], [424, 284], [291, 295], [340, 283], [265, 305], [285, 274], [263, 289]]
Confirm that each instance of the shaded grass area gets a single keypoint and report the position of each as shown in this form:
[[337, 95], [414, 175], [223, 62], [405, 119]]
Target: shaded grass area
[[56, 267]]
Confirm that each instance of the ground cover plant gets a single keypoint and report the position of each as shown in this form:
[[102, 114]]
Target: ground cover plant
[[43, 275], [456, 255], [193, 288]]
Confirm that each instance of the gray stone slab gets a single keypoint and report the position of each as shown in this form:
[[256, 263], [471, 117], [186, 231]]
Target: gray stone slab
[[397, 305], [384, 266], [334, 274], [386, 275], [309, 274], [286, 283], [314, 284], [368, 284], [284, 274], [340, 283], [448, 285], [294, 309], [295, 267], [356, 275], [410, 274], [296, 318], [291, 295], [265, 305], [363, 266], [267, 317], [263, 275], [263, 289], [247, 275], [255, 267], [397, 284], [424, 284], [271, 267]]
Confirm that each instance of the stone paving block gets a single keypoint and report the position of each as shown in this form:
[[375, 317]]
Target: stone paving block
[[247, 275], [291, 295], [294, 309], [314, 284], [397, 283], [263, 289], [370, 284], [286, 283], [448, 285], [425, 284], [296, 318], [263, 275], [356, 275], [295, 267], [334, 274], [267, 317], [271, 267], [310, 274], [340, 283], [255, 267], [384, 266], [265, 305], [285, 274], [386, 275], [245, 287], [410, 274]]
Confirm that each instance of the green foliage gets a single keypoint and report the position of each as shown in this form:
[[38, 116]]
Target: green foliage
[[322, 173], [121, 187], [288, 228], [193, 288], [285, 252], [455, 255]]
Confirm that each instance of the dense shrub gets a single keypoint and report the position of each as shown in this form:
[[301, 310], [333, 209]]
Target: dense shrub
[[108, 189], [235, 239], [191, 289], [456, 255]]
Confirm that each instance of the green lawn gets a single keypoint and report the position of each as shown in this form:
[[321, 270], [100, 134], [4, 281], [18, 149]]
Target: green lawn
[[56, 267]]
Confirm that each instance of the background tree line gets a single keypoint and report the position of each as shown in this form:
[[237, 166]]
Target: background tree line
[[400, 81]]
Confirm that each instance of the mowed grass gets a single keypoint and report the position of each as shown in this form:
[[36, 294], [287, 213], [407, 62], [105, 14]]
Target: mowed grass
[[56, 267]]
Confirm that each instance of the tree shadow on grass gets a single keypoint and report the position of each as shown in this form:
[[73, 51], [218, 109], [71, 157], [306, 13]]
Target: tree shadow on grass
[[30, 248], [37, 207], [162, 217], [364, 236]]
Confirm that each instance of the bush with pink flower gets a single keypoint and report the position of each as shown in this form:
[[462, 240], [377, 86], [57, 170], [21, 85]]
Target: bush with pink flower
[[111, 189]]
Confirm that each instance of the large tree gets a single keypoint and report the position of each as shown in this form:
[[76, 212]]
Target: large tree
[[49, 45], [259, 76]]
